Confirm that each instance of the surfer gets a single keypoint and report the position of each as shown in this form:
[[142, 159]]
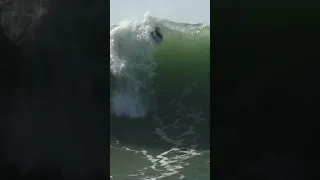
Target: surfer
[[157, 35], [122, 40]]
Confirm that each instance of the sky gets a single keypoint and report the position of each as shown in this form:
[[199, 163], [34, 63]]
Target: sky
[[185, 11]]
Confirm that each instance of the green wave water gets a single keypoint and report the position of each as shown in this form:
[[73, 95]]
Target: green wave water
[[168, 136], [184, 64]]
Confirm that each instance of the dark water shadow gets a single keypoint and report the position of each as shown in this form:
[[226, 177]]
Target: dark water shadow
[[141, 132]]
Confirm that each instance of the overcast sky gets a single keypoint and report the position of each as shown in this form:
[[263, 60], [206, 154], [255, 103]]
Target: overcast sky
[[185, 11]]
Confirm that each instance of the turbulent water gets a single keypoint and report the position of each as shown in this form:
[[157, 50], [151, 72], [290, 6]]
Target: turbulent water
[[160, 92]]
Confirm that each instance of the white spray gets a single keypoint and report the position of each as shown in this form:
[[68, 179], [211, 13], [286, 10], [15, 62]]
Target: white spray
[[132, 66]]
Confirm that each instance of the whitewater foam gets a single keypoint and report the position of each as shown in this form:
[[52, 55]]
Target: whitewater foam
[[132, 65]]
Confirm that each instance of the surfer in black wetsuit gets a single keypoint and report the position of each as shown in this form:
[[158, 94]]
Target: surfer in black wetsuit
[[157, 35]]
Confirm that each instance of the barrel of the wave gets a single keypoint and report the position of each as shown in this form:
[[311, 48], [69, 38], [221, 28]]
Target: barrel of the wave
[[157, 34]]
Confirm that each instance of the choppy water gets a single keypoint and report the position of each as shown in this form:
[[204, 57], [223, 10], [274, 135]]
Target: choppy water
[[160, 101]]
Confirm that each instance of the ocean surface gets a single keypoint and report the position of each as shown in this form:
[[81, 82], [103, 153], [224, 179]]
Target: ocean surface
[[160, 101]]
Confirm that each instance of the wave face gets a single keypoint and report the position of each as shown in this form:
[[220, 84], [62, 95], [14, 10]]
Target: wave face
[[160, 108], [146, 75]]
